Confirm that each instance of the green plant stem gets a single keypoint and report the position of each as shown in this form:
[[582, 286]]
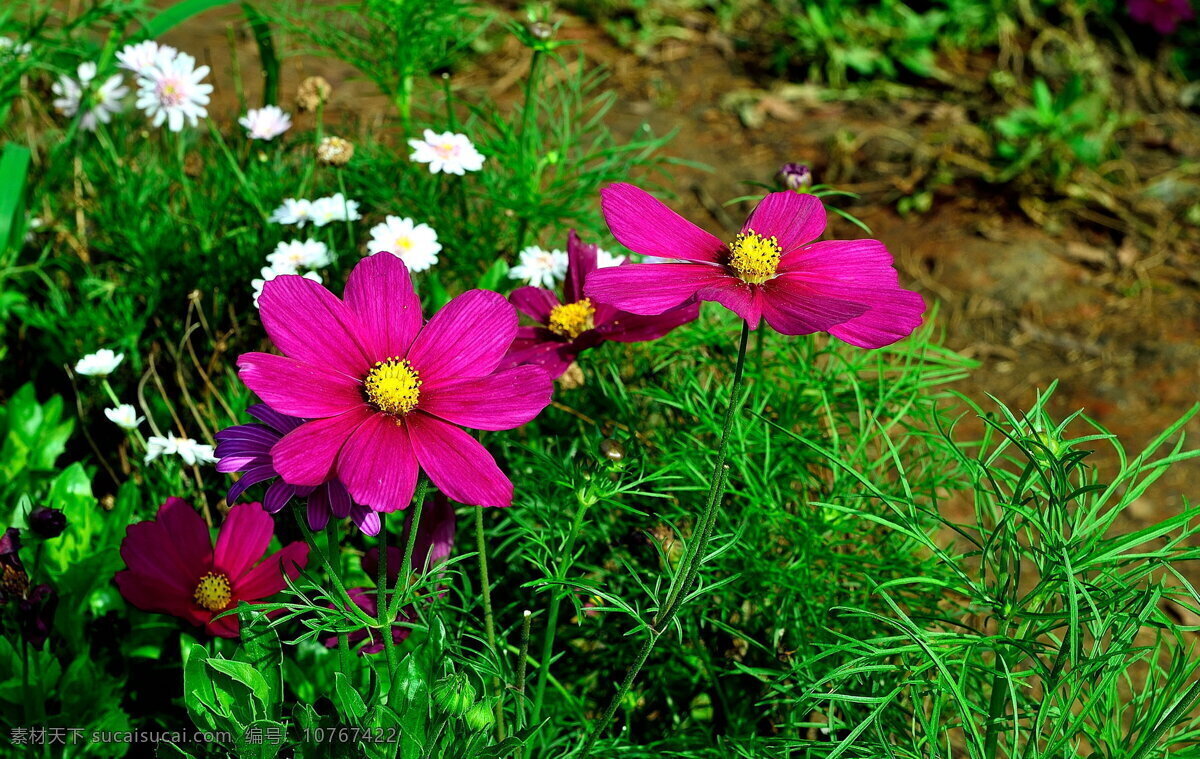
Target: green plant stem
[[349, 607], [418, 508], [331, 548], [489, 623], [694, 559], [382, 605], [560, 573], [522, 668], [527, 109]]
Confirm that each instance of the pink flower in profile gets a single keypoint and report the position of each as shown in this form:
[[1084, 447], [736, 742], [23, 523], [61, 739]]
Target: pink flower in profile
[[175, 569], [386, 395], [574, 323], [772, 270], [1163, 15]]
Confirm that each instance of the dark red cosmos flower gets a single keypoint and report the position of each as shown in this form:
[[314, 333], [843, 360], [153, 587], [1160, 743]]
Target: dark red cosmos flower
[[573, 323], [1163, 15], [175, 569]]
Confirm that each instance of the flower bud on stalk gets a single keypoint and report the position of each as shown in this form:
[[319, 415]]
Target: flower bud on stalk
[[479, 716], [795, 176], [313, 93], [455, 695], [47, 522], [335, 151]]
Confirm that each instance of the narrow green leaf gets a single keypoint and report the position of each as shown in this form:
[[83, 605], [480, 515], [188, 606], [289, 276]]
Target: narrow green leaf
[[178, 13], [14, 169]]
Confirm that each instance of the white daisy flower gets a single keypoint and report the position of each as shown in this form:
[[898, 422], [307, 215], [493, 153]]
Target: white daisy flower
[[293, 211], [539, 267], [124, 416], [334, 208], [10, 47], [414, 244], [266, 123], [604, 259], [99, 364], [446, 152], [269, 274], [103, 102], [184, 447], [172, 92], [143, 56], [299, 254]]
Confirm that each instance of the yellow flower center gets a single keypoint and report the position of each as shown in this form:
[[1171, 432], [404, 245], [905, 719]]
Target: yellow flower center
[[393, 386], [213, 591], [754, 258], [573, 319]]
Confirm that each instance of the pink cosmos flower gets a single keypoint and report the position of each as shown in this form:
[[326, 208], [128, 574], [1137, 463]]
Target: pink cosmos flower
[[385, 394], [772, 270], [574, 323], [1163, 15], [174, 568]]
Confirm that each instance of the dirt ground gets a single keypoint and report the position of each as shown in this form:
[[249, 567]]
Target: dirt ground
[[1119, 327]]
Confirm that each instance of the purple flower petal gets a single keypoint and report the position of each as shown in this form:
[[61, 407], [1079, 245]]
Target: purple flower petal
[[456, 462], [651, 289], [499, 401], [534, 302], [581, 261], [298, 388], [644, 225], [309, 324], [380, 292], [791, 218], [467, 338], [306, 455]]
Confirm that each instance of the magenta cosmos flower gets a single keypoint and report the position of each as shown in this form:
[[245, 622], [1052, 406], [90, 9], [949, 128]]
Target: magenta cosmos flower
[[384, 393], [771, 270], [1163, 15], [574, 323], [175, 569]]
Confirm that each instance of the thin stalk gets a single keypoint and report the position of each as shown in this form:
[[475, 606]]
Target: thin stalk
[[419, 501], [332, 549], [522, 668], [704, 524], [489, 623], [560, 573], [382, 605], [527, 109], [349, 606]]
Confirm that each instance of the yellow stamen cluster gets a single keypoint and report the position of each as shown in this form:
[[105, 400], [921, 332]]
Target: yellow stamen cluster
[[393, 386], [213, 591], [754, 258], [573, 319]]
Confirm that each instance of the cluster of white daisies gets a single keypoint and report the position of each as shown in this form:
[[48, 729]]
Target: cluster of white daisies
[[170, 88], [103, 363]]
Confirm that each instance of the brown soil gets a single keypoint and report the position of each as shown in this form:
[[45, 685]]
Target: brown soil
[[1119, 327]]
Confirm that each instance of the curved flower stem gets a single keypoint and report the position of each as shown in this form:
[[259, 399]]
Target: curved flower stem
[[349, 607], [331, 547], [694, 556], [489, 623], [568, 558]]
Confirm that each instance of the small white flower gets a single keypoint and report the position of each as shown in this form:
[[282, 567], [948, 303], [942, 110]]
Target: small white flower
[[143, 56], [9, 46], [124, 416], [104, 100], [414, 244], [99, 364], [293, 211], [334, 208], [299, 254], [266, 123], [171, 92], [540, 268], [446, 152], [269, 274], [604, 259], [184, 447]]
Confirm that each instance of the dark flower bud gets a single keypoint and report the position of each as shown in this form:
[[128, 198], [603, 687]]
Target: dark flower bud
[[795, 176], [35, 614], [612, 449], [47, 522]]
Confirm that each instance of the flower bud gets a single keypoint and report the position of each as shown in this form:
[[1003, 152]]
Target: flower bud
[[795, 176], [313, 93], [335, 151], [612, 449], [47, 522], [479, 716], [454, 695], [540, 30]]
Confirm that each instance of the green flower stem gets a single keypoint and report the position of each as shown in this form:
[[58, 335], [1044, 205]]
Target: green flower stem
[[418, 508], [382, 605], [349, 607], [117, 402], [489, 623], [693, 559], [557, 593], [331, 547]]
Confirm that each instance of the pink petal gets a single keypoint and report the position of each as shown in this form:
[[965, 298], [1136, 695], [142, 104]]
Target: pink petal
[[793, 219], [651, 288], [534, 302], [175, 551], [893, 316], [244, 537], [797, 308], [299, 389], [467, 338], [154, 594], [633, 328], [380, 292], [308, 323], [456, 462], [852, 264], [305, 456], [188, 533], [644, 225], [377, 464], [501, 401], [581, 261], [267, 578], [743, 299]]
